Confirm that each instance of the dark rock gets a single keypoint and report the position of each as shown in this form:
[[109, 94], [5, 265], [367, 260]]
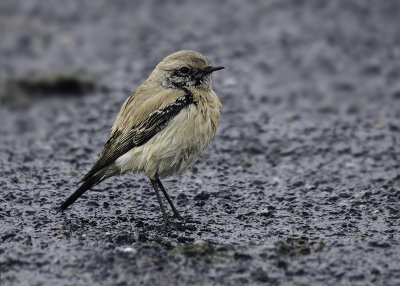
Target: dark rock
[[396, 94], [242, 256], [142, 237], [93, 204], [380, 244], [260, 275], [124, 238], [202, 196]]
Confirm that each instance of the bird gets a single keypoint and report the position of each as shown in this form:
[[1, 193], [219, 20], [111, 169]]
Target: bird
[[162, 128]]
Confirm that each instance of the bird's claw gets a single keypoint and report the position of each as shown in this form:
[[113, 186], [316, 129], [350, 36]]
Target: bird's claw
[[179, 225], [178, 216]]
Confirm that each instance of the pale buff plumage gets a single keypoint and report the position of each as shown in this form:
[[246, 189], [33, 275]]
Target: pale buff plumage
[[173, 145], [180, 144]]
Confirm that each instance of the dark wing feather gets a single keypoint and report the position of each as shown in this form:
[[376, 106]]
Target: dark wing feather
[[120, 143]]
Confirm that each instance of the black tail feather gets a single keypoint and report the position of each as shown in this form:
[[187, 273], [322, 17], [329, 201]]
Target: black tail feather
[[87, 184]]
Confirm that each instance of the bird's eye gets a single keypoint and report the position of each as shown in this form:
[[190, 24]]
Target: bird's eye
[[184, 70]]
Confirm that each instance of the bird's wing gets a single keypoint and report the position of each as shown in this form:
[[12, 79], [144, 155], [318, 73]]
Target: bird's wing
[[123, 140]]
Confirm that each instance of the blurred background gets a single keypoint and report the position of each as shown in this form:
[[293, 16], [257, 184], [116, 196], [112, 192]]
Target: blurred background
[[308, 143], [296, 49]]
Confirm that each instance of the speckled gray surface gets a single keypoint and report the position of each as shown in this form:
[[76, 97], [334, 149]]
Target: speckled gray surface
[[301, 185]]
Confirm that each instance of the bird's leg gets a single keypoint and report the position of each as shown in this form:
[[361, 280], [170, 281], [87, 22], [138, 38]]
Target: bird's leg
[[175, 211], [154, 183]]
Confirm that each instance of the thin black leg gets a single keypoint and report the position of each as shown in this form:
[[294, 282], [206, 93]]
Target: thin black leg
[[154, 183], [176, 213]]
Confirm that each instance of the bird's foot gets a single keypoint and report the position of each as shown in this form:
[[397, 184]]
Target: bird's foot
[[178, 216], [178, 225]]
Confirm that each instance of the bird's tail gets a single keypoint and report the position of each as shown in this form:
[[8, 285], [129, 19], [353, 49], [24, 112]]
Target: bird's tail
[[87, 184]]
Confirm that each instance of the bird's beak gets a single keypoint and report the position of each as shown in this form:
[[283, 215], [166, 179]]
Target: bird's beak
[[212, 69]]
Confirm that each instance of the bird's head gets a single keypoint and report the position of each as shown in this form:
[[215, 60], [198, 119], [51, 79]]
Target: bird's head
[[185, 69]]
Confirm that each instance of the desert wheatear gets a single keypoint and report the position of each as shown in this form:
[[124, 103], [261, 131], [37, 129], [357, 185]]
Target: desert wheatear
[[162, 128]]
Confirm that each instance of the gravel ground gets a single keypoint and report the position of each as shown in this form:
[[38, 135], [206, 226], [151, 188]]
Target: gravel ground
[[300, 186]]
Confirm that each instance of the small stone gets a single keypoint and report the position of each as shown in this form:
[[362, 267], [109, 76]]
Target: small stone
[[242, 256], [396, 94], [127, 249], [380, 244], [260, 275], [93, 204], [203, 196], [265, 213]]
